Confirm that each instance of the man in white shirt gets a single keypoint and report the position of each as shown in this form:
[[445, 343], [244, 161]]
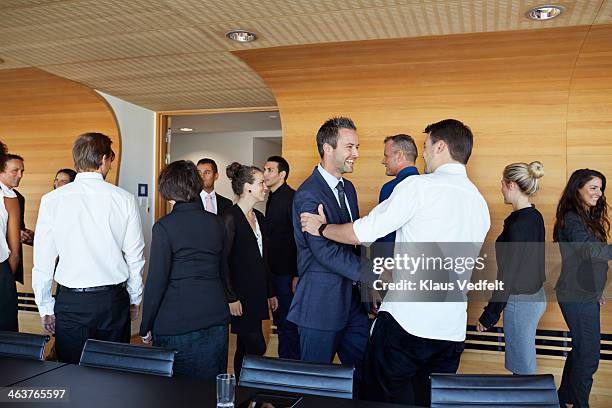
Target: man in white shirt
[[213, 202], [94, 227], [412, 339], [10, 177]]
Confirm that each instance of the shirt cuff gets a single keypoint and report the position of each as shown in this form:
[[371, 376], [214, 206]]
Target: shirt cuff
[[135, 299], [47, 309], [360, 230]]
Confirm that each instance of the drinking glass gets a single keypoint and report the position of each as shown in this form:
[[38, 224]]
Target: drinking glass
[[226, 387]]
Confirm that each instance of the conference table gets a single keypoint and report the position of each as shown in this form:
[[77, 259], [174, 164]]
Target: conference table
[[14, 370], [98, 387]]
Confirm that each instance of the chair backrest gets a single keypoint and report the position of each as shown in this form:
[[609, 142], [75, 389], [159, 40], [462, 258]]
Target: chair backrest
[[23, 345], [297, 377], [128, 357], [469, 390]]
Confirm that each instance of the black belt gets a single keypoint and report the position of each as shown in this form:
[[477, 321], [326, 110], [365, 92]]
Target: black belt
[[95, 288]]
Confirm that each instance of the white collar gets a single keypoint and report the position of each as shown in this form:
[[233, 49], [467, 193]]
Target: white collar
[[451, 168], [89, 175], [4, 187], [329, 178], [205, 194]]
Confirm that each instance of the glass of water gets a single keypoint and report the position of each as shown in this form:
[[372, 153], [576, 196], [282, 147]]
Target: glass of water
[[226, 387]]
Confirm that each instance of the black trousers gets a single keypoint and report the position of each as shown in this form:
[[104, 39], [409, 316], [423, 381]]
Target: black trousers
[[583, 359], [397, 364], [8, 299], [248, 343], [83, 315]]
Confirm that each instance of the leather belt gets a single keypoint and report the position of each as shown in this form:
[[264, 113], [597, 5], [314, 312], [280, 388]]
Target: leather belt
[[95, 288]]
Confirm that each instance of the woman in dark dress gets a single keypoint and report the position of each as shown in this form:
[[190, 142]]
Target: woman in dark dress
[[520, 265], [185, 303], [249, 280], [581, 228]]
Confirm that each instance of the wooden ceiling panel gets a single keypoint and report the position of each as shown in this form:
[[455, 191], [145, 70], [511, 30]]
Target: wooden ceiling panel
[[165, 65], [605, 13], [137, 44], [132, 49], [91, 18], [182, 83]]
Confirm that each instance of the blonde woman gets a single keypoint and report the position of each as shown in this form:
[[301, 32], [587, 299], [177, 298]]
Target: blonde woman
[[520, 265]]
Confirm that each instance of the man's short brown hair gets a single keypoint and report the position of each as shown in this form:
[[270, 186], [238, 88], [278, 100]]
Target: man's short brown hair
[[88, 150]]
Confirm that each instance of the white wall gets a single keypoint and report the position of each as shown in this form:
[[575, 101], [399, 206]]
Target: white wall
[[262, 149], [224, 148], [137, 127]]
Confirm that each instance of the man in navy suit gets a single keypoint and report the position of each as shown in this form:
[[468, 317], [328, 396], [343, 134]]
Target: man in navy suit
[[327, 305]]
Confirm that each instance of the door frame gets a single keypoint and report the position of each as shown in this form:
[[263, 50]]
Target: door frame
[[161, 147]]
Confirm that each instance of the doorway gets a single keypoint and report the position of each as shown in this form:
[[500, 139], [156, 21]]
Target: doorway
[[246, 137]]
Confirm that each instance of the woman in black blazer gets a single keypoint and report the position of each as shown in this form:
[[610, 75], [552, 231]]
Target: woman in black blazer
[[521, 267], [185, 303], [581, 228], [250, 282]]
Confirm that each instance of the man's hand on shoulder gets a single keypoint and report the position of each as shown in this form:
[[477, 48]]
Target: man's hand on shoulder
[[312, 222]]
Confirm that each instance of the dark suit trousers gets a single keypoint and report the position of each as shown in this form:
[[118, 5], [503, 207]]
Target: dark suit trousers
[[320, 346], [397, 364], [583, 320], [288, 336], [8, 299], [83, 315]]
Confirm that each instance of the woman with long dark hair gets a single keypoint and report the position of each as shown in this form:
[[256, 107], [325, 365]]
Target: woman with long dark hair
[[250, 280], [581, 228], [520, 265], [10, 243]]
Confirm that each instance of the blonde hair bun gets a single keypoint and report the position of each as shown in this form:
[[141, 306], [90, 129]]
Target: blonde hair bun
[[536, 169]]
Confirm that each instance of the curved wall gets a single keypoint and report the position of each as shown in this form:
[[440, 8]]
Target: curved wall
[[527, 95], [40, 117]]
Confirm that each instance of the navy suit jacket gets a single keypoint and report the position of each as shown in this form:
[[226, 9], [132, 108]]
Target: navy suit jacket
[[326, 268]]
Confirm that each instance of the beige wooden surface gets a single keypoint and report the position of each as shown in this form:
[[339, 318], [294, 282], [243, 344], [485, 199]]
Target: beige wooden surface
[[40, 117], [527, 95]]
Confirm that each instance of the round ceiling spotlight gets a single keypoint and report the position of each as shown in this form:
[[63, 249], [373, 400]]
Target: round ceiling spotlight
[[242, 36], [546, 12]]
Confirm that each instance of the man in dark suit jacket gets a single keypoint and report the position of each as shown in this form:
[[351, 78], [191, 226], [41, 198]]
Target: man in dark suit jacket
[[213, 202], [282, 255], [327, 304]]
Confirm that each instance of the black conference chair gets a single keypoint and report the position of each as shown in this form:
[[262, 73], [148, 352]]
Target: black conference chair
[[470, 390], [23, 345], [298, 377], [128, 357]]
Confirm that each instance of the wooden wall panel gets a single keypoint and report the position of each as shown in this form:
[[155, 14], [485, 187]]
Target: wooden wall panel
[[511, 88], [40, 117]]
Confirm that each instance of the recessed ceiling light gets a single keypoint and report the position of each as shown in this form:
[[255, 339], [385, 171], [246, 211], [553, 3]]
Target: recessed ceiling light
[[186, 129], [545, 12], [242, 36]]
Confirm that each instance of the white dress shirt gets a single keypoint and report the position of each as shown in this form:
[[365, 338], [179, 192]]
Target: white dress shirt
[[444, 206], [213, 196], [332, 182], [4, 248], [95, 229]]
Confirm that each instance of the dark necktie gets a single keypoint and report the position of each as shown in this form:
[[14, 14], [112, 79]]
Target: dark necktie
[[344, 212]]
